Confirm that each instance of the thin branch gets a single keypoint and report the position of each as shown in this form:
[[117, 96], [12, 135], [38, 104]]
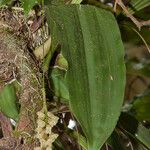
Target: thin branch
[[139, 24], [148, 48]]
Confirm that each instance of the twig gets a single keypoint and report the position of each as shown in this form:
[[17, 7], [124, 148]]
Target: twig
[[135, 21], [146, 23], [37, 24], [147, 46]]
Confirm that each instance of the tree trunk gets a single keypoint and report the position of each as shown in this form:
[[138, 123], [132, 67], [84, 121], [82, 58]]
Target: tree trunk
[[16, 64]]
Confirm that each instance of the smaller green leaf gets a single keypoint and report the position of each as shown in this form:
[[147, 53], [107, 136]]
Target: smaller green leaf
[[57, 78], [61, 62], [8, 102], [143, 135], [28, 5], [136, 5], [141, 108]]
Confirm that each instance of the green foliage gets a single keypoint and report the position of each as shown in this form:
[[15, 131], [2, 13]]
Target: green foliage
[[141, 108], [4, 2], [8, 102], [28, 5], [136, 5], [93, 77], [58, 84], [96, 69], [143, 135]]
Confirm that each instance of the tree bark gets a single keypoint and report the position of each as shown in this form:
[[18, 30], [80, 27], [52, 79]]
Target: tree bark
[[16, 64]]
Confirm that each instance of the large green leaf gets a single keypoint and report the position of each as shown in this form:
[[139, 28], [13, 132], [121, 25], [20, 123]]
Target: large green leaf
[[8, 102], [91, 43]]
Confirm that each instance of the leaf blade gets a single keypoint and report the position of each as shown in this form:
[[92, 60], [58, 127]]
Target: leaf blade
[[137, 5], [93, 63], [8, 102], [28, 5]]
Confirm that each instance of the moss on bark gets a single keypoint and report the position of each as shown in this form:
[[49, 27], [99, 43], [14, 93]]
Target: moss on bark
[[16, 64]]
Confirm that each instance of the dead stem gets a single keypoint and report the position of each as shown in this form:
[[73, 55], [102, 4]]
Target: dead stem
[[139, 24]]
